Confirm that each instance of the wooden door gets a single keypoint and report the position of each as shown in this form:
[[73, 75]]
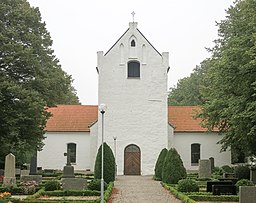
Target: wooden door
[[132, 160]]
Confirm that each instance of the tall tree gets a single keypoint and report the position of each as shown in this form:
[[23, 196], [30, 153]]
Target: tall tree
[[231, 92], [188, 90], [30, 78]]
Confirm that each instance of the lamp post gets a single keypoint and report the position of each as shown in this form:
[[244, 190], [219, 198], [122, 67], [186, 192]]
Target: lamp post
[[102, 109], [115, 137]]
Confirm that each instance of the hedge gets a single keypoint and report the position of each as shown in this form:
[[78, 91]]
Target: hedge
[[178, 195], [159, 164]]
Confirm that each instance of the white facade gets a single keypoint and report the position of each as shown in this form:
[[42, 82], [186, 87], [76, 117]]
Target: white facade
[[136, 114], [136, 107], [208, 148], [52, 155]]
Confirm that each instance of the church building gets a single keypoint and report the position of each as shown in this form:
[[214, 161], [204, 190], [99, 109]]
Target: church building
[[138, 124]]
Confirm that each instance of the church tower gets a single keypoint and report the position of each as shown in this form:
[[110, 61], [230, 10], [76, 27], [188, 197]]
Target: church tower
[[132, 83]]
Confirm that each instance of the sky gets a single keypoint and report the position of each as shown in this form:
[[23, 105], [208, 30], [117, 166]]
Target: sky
[[80, 28]]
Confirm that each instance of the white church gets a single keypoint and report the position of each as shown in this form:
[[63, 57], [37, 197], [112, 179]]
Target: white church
[[138, 123]]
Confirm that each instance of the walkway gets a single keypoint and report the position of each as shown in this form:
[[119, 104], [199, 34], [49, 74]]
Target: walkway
[[140, 189]]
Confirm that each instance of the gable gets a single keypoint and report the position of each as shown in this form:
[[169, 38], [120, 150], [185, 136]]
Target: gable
[[131, 32]]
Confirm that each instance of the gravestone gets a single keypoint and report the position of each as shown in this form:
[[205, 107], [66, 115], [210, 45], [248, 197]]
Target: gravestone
[[24, 173], [9, 171], [68, 171], [74, 183], [33, 165], [247, 194], [212, 163], [204, 168], [253, 174], [28, 178]]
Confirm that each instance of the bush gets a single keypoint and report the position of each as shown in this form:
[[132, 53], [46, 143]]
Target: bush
[[159, 164], [109, 164], [173, 169], [29, 187], [96, 185], [242, 172], [188, 185], [52, 185], [244, 182], [227, 169]]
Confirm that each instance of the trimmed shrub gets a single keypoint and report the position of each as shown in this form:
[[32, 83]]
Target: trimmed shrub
[[96, 185], [244, 182], [109, 164], [188, 185], [52, 185], [173, 169], [160, 163], [242, 172]]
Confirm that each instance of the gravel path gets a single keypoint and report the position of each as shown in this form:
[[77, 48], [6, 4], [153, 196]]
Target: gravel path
[[140, 189]]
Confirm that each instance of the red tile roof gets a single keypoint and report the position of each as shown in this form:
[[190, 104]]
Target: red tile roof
[[72, 118], [182, 118], [78, 118]]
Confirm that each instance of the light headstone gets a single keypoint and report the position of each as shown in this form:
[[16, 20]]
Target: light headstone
[[247, 194], [204, 168], [9, 170]]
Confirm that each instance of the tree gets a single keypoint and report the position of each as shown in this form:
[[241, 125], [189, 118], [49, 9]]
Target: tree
[[230, 97], [109, 164], [30, 78], [160, 163], [188, 90], [173, 169]]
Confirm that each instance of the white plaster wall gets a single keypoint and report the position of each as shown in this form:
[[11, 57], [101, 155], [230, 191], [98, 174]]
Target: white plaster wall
[[209, 148], [52, 155], [136, 108], [94, 144]]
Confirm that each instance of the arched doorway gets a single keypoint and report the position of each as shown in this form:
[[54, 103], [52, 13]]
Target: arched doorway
[[132, 160]]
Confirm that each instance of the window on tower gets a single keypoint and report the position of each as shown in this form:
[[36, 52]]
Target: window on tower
[[133, 69], [133, 43]]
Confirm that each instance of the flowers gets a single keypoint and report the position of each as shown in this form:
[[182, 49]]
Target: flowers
[[4, 194], [29, 187]]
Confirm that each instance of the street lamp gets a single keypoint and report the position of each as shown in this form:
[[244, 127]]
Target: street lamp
[[102, 109], [115, 137]]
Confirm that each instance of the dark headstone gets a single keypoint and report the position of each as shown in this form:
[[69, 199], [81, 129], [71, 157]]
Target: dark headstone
[[74, 183], [68, 172], [33, 165], [224, 190], [253, 174], [211, 183], [212, 163]]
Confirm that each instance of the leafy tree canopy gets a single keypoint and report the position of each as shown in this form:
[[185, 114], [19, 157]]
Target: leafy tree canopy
[[188, 90], [230, 94], [30, 78]]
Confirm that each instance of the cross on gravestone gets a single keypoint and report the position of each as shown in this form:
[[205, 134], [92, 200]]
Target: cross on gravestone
[[67, 154], [68, 169]]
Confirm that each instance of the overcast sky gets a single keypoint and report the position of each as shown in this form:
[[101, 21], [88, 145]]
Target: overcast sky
[[80, 28]]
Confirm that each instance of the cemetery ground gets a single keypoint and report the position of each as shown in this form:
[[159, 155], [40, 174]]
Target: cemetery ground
[[210, 184]]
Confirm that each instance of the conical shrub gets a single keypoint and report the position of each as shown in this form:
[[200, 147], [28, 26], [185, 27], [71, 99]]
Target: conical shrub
[[108, 166], [173, 169], [160, 163]]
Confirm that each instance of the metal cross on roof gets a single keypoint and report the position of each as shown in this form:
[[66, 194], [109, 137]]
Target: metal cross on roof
[[133, 13]]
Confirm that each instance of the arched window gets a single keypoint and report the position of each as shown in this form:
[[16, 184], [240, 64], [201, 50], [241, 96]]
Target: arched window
[[72, 148], [195, 154], [133, 43], [133, 69]]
